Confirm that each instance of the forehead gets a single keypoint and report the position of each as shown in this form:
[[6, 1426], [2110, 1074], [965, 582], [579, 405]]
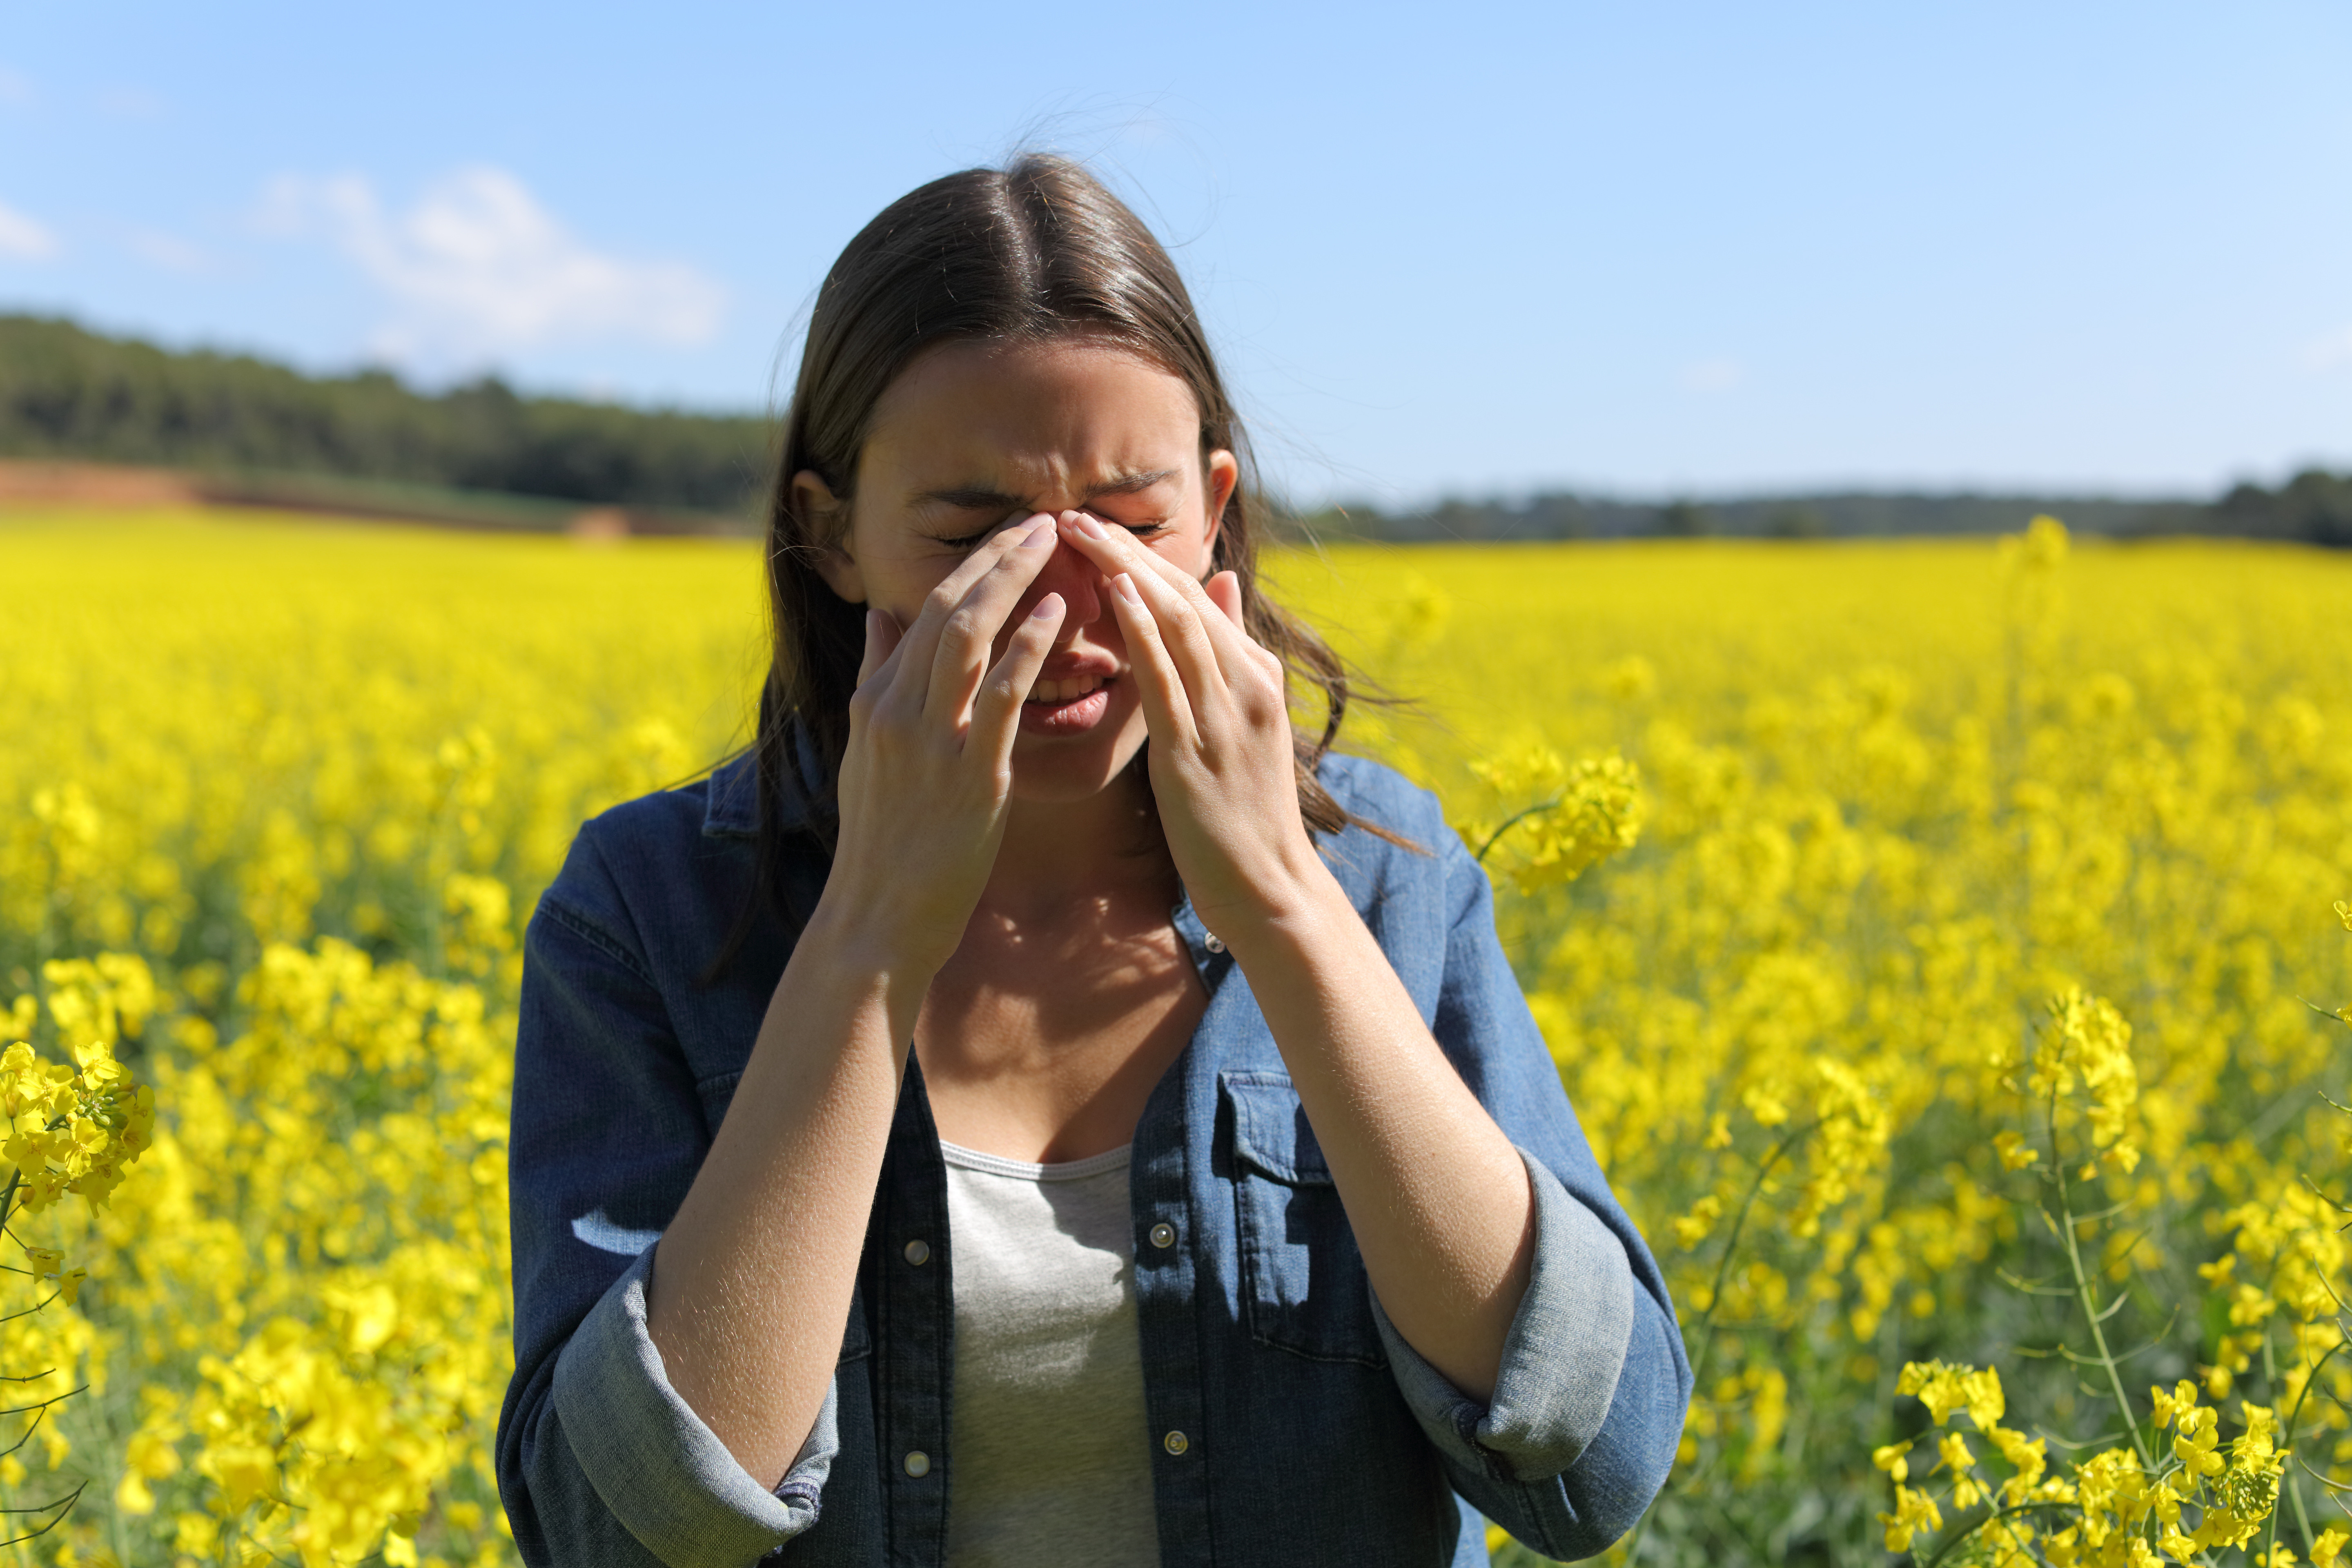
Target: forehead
[[1030, 415]]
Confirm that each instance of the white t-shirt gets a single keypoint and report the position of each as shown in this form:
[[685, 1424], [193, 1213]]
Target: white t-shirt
[[1051, 1447]]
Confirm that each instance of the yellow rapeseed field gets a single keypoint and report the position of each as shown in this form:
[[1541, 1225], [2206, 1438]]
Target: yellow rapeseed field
[[1935, 940]]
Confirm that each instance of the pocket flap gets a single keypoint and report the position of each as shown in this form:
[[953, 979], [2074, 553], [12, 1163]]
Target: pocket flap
[[1270, 1131], [856, 1340]]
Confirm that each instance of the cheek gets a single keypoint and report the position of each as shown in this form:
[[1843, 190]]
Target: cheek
[[901, 586], [1191, 552]]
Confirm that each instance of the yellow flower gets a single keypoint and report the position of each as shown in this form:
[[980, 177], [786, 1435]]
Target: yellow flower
[[1914, 1511], [2182, 1399], [1692, 1228]]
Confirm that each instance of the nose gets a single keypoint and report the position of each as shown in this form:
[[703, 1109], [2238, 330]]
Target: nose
[[1079, 582]]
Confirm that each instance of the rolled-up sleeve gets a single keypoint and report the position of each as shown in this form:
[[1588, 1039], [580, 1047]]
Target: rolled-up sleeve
[[1561, 1358], [664, 1474], [599, 1460], [1590, 1398]]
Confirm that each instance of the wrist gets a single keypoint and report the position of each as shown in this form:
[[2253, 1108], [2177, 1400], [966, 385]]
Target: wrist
[[1304, 902], [864, 953]]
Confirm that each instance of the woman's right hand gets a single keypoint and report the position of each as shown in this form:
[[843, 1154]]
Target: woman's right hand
[[928, 775]]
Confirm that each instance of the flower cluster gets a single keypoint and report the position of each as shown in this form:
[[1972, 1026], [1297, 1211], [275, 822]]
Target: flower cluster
[[1975, 889], [1584, 812], [69, 1130], [1812, 841], [272, 860]]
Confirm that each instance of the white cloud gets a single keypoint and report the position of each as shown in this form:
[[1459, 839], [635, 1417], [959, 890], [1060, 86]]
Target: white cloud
[[1714, 375], [23, 238], [477, 267]]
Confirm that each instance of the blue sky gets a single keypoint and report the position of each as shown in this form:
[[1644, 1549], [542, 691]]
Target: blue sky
[[1666, 248]]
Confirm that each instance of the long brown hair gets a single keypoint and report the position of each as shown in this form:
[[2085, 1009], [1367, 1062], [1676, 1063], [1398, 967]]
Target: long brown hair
[[1031, 253]]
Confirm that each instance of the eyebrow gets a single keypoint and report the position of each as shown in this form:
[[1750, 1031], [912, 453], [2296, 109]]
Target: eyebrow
[[987, 498]]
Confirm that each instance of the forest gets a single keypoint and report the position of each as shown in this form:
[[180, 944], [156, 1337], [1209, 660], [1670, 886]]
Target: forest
[[366, 441]]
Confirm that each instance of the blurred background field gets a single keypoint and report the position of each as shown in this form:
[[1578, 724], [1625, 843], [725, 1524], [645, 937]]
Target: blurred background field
[[1894, 797]]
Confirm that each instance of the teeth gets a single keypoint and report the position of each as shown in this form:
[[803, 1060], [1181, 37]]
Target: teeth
[[1064, 690]]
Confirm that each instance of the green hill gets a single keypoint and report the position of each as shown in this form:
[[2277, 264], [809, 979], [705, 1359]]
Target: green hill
[[66, 392], [365, 443]]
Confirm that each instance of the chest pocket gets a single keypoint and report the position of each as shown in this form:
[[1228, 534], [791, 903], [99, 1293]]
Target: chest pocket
[[1303, 1282]]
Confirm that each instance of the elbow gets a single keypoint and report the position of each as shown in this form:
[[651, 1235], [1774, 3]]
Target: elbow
[[1614, 1481], [516, 1457]]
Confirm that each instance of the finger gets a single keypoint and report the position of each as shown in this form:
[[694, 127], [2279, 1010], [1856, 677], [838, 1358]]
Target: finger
[[970, 631], [1183, 626], [1113, 549], [996, 711], [1225, 591], [1167, 708], [920, 651]]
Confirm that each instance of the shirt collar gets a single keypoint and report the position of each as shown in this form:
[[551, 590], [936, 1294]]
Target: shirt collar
[[732, 807]]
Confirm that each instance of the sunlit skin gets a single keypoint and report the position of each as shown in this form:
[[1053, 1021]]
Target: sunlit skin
[[1001, 889]]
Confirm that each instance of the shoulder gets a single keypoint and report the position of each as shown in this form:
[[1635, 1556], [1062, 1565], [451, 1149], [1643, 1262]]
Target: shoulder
[[654, 851], [1431, 869], [1378, 792]]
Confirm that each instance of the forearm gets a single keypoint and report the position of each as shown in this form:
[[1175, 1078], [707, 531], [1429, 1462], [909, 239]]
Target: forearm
[[754, 1277], [1437, 1197]]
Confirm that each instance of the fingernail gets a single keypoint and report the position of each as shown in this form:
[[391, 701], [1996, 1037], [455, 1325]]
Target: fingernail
[[1127, 590], [1051, 605], [1086, 525], [1040, 532]]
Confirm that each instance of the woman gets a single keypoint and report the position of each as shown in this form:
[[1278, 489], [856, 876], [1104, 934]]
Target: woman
[[1037, 1107]]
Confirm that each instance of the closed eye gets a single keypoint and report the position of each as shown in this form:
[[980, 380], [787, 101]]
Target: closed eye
[[969, 541]]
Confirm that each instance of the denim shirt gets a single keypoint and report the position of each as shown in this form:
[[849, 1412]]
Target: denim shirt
[[1288, 1421]]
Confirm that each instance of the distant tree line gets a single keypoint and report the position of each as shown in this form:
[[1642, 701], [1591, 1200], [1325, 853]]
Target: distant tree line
[[66, 392], [69, 394], [2314, 507]]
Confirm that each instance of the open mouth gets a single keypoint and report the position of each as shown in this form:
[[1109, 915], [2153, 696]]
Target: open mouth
[[1068, 705], [1077, 686]]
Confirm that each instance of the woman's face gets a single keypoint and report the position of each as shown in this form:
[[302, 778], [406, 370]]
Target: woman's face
[[973, 435]]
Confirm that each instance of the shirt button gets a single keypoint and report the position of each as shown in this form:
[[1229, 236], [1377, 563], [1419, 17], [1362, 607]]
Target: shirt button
[[918, 1464], [1213, 942], [1163, 1235], [1175, 1442], [918, 1253]]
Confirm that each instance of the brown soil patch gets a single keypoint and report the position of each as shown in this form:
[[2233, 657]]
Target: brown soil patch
[[93, 484]]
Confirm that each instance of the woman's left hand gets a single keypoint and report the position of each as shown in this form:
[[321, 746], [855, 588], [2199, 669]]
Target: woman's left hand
[[1219, 716]]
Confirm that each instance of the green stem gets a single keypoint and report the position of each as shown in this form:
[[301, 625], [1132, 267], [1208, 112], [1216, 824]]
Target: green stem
[[1513, 820], [1955, 1543], [2286, 1450], [1731, 1245], [1715, 1291], [2089, 1298]]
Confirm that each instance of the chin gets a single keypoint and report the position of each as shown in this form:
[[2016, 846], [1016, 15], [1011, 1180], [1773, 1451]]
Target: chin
[[1064, 772]]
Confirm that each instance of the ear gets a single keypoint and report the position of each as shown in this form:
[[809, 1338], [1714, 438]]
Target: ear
[[1224, 471], [820, 512]]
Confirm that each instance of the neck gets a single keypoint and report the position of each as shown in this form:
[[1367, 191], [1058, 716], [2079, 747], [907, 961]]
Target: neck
[[1058, 856]]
